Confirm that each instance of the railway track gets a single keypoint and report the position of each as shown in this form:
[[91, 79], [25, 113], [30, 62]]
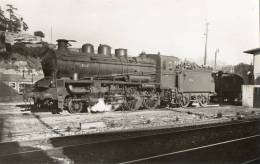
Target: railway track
[[194, 155], [129, 146], [252, 161]]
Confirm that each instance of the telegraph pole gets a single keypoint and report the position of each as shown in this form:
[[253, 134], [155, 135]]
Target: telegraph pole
[[216, 53], [51, 34], [206, 43]]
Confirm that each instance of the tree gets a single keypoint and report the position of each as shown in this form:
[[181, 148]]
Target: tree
[[13, 23], [24, 25], [3, 20], [10, 9], [245, 71]]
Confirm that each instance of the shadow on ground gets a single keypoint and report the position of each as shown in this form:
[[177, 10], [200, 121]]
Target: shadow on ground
[[8, 148]]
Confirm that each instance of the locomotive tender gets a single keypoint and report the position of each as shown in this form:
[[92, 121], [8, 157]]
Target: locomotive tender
[[74, 81]]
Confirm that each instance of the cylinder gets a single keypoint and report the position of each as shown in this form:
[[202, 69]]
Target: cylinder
[[87, 48], [121, 52], [104, 49]]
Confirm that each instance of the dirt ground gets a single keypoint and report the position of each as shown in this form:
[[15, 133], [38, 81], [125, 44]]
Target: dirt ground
[[18, 123]]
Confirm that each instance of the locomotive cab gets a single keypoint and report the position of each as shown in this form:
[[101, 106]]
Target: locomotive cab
[[168, 72], [166, 76], [165, 70]]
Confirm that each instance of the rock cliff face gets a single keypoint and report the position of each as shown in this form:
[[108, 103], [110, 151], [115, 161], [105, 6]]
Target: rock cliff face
[[20, 63], [17, 61], [20, 52], [21, 47]]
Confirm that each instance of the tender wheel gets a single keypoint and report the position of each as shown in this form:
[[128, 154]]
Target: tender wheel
[[75, 106], [203, 101], [184, 101]]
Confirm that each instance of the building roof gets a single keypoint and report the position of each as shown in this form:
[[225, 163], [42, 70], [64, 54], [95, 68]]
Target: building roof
[[254, 51]]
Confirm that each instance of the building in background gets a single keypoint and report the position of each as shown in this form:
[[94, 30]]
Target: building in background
[[19, 78], [251, 93]]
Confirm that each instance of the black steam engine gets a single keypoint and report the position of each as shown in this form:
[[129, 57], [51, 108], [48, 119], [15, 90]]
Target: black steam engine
[[228, 88], [75, 81]]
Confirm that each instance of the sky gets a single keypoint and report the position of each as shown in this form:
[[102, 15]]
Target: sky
[[171, 27]]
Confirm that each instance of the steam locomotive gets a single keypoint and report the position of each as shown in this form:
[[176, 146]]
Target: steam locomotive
[[228, 88], [75, 81]]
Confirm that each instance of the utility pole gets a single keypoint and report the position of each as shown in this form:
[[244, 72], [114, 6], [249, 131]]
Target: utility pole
[[216, 53], [51, 34], [206, 43]]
